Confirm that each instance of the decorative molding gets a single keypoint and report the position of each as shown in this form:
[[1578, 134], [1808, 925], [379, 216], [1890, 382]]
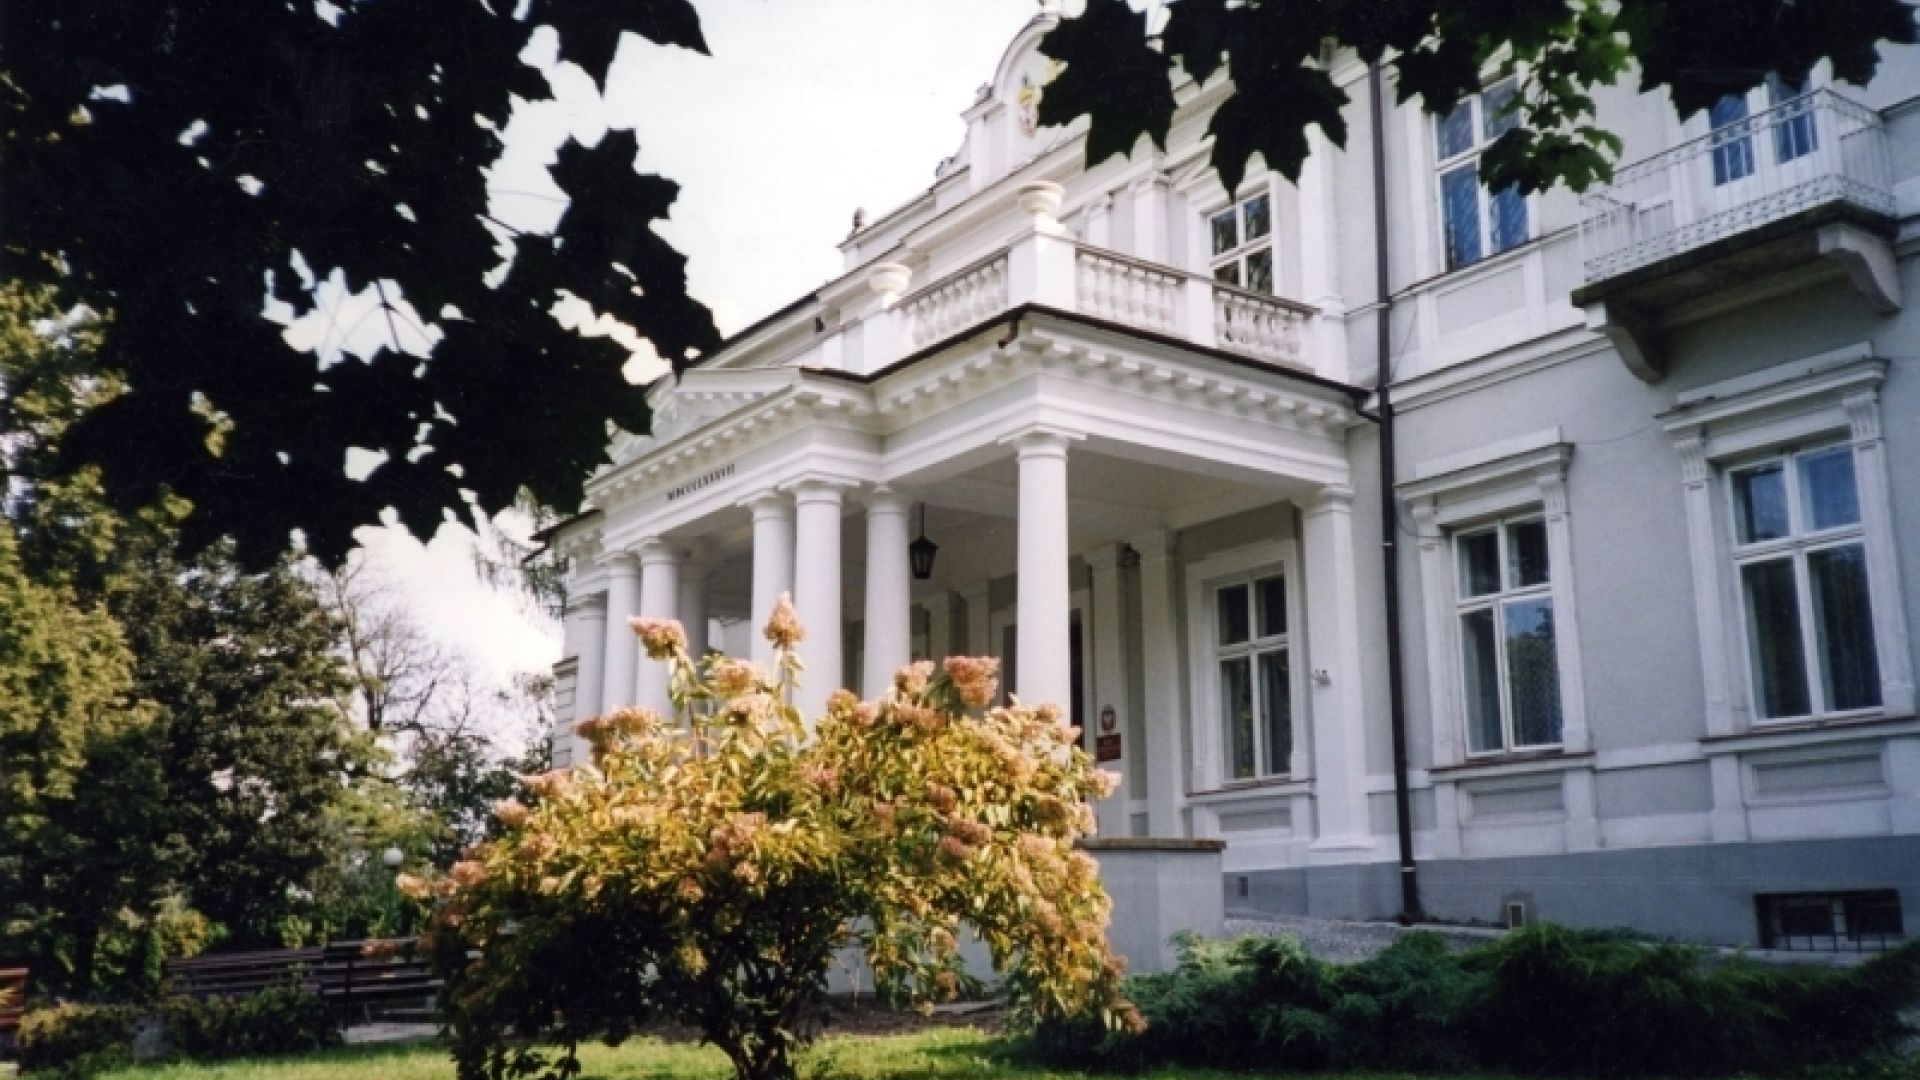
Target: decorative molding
[[1493, 480]]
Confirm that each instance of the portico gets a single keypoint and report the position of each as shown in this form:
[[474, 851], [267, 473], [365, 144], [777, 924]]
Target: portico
[[1076, 477]]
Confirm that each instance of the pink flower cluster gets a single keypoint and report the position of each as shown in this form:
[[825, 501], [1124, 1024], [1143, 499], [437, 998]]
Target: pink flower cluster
[[975, 679], [783, 627], [731, 678], [662, 637]]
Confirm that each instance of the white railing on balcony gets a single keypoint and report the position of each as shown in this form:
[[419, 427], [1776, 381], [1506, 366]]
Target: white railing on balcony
[[1252, 324], [1126, 290], [1049, 269], [1809, 151], [956, 301]]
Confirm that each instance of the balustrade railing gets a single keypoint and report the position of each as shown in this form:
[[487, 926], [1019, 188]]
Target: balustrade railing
[[956, 301], [1252, 324], [1129, 291], [1112, 286], [1808, 151]]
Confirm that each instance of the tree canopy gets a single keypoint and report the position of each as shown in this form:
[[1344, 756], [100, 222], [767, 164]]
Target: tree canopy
[[181, 163], [1440, 51]]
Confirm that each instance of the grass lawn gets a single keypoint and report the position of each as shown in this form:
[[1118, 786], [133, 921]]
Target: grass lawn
[[941, 1054]]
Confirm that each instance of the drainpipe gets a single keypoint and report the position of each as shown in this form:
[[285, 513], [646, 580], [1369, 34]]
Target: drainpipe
[[1389, 509]]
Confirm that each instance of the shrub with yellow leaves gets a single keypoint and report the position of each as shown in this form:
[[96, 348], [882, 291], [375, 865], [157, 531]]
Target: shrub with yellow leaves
[[705, 868]]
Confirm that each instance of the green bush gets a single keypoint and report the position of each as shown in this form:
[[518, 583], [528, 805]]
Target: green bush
[[76, 1040], [1545, 1001], [279, 1021], [80, 1040]]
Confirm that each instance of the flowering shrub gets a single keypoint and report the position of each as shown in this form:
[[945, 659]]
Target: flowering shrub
[[705, 869]]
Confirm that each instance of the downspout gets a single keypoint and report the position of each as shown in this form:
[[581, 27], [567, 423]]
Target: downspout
[[1389, 509]]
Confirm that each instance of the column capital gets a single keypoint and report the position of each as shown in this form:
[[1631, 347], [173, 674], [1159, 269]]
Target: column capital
[[886, 499], [1105, 555], [588, 604], [1041, 440], [1159, 544], [818, 490], [1329, 499], [621, 563], [769, 504], [655, 551]]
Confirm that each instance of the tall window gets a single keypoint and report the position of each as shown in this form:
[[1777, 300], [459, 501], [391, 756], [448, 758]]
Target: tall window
[[1800, 554], [1242, 236], [1794, 134], [1507, 642], [1255, 678], [1477, 222]]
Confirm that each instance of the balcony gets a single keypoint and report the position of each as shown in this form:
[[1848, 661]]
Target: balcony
[[1806, 185], [1047, 269]]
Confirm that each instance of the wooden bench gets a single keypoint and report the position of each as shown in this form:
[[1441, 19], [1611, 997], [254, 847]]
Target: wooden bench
[[347, 975], [360, 974], [236, 974], [13, 1002]]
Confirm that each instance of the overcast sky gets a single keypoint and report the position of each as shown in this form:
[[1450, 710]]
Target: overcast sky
[[806, 110]]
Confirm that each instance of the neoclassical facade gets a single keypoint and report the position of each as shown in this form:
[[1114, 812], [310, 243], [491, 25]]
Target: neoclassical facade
[[1658, 474]]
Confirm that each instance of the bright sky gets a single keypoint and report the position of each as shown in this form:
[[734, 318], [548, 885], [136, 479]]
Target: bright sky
[[806, 110]]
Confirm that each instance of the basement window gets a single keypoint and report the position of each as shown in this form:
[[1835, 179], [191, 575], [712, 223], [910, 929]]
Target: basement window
[[1868, 920]]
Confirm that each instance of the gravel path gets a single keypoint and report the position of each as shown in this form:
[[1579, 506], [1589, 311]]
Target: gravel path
[[1333, 939]]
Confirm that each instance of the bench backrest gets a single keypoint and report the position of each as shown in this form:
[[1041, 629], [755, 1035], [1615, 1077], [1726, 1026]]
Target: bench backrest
[[13, 998]]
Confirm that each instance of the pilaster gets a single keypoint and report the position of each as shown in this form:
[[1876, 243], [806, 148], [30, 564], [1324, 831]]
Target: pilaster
[[1333, 643], [1107, 627], [1161, 668]]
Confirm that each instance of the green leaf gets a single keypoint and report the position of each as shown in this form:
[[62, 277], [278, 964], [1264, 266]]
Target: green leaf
[[1111, 74]]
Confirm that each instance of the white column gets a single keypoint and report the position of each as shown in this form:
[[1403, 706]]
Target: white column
[[1160, 668], [1109, 653], [979, 601], [772, 564], [889, 591], [1043, 661], [816, 592], [1333, 649], [623, 649], [693, 608], [587, 634], [659, 599], [939, 625]]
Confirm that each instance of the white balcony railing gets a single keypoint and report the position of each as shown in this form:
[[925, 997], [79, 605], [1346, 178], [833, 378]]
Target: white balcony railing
[[1811, 150], [1103, 284], [1125, 290], [957, 301]]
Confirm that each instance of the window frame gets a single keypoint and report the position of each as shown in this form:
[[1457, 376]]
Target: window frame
[[1761, 145], [1795, 547], [1823, 400], [1511, 480], [1210, 768], [1444, 165], [1508, 593], [1256, 647], [1244, 247]]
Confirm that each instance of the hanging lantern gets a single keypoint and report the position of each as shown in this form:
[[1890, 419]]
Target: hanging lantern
[[921, 552]]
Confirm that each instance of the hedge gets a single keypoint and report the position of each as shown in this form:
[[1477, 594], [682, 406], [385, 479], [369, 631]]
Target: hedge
[[1544, 1001]]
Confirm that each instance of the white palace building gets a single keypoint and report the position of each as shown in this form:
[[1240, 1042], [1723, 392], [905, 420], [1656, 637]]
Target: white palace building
[[1656, 499]]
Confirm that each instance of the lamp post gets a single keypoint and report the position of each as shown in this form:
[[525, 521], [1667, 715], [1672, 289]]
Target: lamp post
[[392, 859]]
